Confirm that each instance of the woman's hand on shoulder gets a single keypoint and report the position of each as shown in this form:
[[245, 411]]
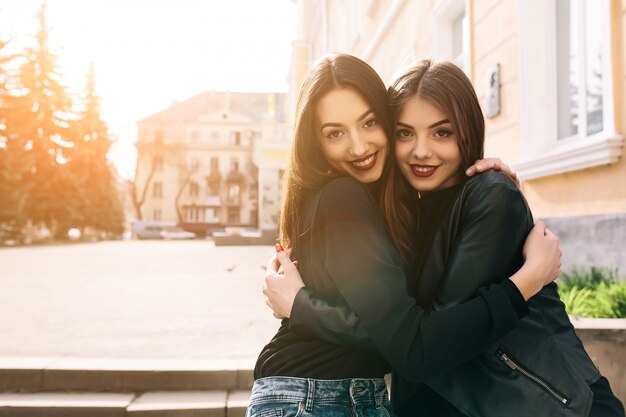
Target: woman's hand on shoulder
[[483, 165], [282, 283], [542, 254]]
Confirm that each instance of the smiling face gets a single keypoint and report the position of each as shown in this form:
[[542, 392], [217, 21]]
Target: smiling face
[[350, 136], [427, 149]]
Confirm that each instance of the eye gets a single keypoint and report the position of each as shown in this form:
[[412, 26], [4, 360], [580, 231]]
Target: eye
[[369, 123], [404, 134], [334, 134], [442, 133]]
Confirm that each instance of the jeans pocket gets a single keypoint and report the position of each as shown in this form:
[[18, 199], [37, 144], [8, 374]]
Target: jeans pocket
[[264, 412], [276, 409]]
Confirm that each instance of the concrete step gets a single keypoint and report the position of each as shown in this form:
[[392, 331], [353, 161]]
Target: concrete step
[[123, 375], [162, 404]]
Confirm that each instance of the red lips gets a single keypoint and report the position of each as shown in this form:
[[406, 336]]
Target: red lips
[[423, 171], [367, 167]]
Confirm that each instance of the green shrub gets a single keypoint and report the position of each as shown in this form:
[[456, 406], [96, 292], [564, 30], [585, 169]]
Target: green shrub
[[595, 292], [588, 278], [577, 301]]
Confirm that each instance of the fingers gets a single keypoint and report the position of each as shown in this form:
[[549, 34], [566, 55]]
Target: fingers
[[540, 227], [285, 261], [483, 165]]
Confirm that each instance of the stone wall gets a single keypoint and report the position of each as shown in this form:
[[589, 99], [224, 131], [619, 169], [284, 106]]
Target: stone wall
[[592, 241], [605, 341]]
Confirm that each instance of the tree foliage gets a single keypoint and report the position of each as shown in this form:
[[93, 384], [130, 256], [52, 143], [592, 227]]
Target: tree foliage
[[53, 146]]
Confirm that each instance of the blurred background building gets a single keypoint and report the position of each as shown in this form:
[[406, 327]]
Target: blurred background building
[[213, 161], [551, 78]]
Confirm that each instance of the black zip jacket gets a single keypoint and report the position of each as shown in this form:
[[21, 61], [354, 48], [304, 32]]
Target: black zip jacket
[[346, 256], [540, 368]]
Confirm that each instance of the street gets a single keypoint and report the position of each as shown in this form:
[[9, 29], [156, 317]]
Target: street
[[134, 299]]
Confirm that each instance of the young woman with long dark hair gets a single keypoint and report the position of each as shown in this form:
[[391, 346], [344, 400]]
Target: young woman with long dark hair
[[458, 235], [330, 220]]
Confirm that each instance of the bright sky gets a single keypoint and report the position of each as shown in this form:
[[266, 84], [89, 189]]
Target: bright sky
[[149, 52]]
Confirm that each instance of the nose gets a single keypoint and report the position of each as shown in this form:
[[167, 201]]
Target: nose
[[358, 145], [421, 150]]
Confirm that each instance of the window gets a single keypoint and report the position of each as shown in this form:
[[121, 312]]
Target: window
[[235, 138], [209, 215], [579, 69], [215, 165], [195, 136], [214, 189], [156, 215], [194, 214], [233, 193], [234, 164], [233, 215], [158, 163], [567, 109], [157, 190], [451, 33], [194, 189]]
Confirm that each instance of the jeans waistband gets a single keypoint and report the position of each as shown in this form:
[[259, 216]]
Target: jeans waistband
[[310, 391]]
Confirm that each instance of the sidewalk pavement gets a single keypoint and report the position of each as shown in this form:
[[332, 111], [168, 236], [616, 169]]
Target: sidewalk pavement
[[134, 300]]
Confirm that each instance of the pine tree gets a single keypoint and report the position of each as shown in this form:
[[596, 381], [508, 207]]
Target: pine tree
[[88, 163], [10, 151], [41, 119]]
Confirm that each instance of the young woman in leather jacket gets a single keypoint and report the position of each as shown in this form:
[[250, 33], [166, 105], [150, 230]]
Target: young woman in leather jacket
[[340, 150], [457, 235]]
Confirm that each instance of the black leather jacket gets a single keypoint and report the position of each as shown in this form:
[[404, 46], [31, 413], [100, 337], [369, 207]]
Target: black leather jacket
[[540, 368]]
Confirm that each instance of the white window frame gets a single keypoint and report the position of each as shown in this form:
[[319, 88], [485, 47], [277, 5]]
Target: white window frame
[[444, 15], [542, 153]]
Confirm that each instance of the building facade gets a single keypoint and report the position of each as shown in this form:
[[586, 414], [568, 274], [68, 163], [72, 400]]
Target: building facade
[[551, 78], [214, 161]]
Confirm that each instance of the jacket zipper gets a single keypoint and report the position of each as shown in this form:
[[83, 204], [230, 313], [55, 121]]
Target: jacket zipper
[[514, 366]]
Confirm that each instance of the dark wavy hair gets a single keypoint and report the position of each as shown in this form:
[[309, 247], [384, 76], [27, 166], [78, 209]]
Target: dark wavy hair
[[446, 86], [308, 169]]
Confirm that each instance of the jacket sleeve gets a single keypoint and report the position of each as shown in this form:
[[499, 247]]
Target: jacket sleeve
[[360, 258], [335, 322], [494, 224]]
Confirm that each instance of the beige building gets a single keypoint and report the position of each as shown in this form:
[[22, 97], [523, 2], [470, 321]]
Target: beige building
[[551, 77], [214, 161]]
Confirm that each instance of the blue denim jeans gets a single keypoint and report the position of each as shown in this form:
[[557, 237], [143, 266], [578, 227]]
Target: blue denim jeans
[[280, 396]]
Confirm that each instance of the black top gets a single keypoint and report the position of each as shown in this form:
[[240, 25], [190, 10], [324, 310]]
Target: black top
[[346, 257], [431, 209]]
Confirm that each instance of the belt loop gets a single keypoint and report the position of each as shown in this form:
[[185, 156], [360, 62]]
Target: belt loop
[[377, 398], [310, 395]]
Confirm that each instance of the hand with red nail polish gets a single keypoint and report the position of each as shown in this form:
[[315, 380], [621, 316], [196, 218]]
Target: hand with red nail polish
[[282, 283]]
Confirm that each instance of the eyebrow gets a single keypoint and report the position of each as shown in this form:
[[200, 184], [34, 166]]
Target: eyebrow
[[361, 117], [439, 123]]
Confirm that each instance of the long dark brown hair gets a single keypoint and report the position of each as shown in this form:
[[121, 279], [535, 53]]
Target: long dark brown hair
[[446, 86], [308, 169]]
